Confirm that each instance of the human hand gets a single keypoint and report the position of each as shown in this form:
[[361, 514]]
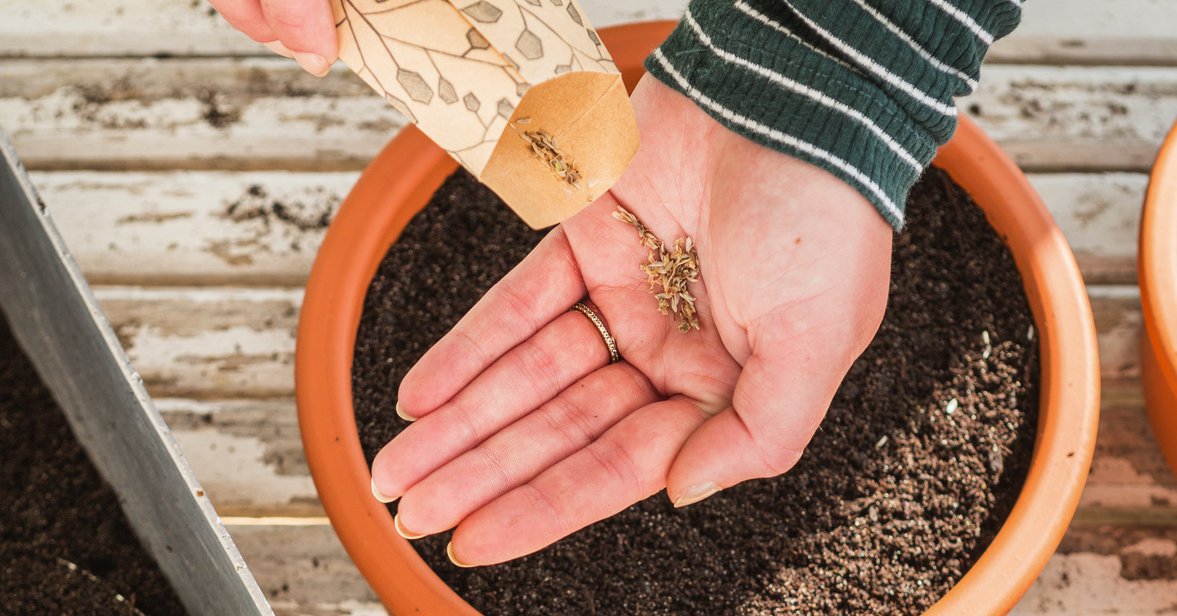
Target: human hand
[[525, 433], [299, 29]]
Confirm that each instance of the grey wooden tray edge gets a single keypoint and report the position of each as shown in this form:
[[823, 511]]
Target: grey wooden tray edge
[[58, 322]]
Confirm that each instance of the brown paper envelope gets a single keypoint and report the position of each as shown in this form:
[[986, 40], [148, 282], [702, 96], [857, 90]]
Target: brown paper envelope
[[475, 75], [599, 143]]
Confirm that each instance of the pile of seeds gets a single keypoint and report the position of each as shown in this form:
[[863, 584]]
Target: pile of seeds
[[670, 271], [543, 145]]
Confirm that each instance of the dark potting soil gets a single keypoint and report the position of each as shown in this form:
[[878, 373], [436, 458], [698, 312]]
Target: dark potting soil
[[39, 581], [57, 511], [918, 463]]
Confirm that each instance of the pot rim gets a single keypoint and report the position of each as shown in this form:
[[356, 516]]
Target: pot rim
[[1158, 296], [410, 168], [1070, 377]]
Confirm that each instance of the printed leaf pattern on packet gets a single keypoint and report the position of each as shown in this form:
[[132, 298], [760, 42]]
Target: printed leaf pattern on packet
[[458, 69]]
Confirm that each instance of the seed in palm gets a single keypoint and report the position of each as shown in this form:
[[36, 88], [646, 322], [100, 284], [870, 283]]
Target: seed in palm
[[668, 272]]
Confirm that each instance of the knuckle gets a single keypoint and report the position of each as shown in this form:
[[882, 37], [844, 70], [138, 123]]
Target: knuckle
[[570, 421], [617, 463], [541, 501], [638, 384], [779, 460], [470, 345], [538, 366], [285, 14], [521, 304], [493, 468], [466, 423], [776, 452]]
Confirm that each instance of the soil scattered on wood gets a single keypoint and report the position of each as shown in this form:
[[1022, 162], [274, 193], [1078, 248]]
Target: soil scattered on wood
[[57, 511], [216, 110], [919, 461], [312, 214]]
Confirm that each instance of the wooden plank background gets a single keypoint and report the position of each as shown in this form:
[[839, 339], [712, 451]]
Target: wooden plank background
[[193, 176]]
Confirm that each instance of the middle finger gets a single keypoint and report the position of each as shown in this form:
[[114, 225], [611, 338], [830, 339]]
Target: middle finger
[[527, 376], [513, 456]]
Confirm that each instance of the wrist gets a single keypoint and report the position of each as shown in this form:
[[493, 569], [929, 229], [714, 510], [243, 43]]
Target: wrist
[[865, 92]]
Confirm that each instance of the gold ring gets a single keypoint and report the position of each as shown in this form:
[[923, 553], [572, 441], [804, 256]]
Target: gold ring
[[610, 343]]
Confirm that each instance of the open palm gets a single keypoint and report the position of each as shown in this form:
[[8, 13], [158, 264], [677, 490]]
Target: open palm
[[526, 433]]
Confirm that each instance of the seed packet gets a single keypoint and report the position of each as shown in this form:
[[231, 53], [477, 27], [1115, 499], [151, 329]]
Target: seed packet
[[522, 93]]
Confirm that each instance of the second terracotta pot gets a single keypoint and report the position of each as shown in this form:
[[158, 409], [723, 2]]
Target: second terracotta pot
[[1158, 299], [407, 172]]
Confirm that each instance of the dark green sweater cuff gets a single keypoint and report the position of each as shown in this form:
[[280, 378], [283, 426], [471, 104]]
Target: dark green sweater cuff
[[862, 89]]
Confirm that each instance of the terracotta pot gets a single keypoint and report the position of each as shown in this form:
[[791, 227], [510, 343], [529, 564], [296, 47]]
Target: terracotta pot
[[1158, 298], [404, 176]]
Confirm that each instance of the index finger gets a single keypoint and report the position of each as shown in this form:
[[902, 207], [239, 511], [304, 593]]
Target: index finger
[[303, 26], [246, 16], [542, 287], [625, 465]]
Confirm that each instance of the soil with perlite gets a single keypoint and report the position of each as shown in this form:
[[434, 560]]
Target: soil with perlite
[[65, 546], [918, 463]]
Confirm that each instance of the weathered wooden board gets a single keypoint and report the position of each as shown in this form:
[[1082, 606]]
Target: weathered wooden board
[[303, 569], [1129, 480], [1071, 31], [1097, 32], [1098, 570], [264, 228], [161, 114], [1108, 570], [218, 343], [248, 455], [121, 27], [207, 342], [190, 27], [1118, 323], [1100, 215], [194, 228], [259, 113], [1067, 118]]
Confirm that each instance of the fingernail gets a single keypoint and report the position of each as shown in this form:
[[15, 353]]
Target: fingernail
[[400, 529], [280, 49], [449, 551], [380, 495], [403, 415], [312, 63], [696, 493]]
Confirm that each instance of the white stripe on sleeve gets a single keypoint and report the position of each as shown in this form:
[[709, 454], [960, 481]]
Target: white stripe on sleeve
[[874, 67], [778, 136], [746, 9], [964, 18], [915, 46], [800, 88]]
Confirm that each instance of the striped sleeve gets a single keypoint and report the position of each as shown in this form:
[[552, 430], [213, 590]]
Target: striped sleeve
[[862, 88]]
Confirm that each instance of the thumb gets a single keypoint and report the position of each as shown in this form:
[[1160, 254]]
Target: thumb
[[777, 405]]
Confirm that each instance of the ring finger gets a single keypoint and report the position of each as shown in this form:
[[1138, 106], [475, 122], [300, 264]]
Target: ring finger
[[527, 376], [519, 452]]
